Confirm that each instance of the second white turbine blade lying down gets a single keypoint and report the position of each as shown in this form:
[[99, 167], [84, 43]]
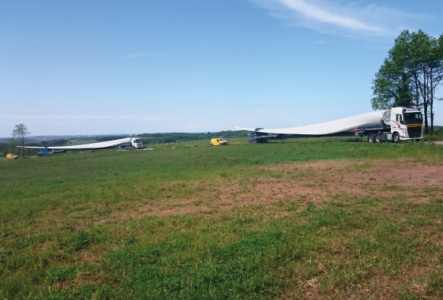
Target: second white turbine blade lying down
[[364, 120], [99, 145]]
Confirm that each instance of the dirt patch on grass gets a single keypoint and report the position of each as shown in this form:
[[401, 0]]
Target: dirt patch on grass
[[90, 257], [44, 247], [182, 210], [313, 182], [379, 286], [85, 278], [323, 181]]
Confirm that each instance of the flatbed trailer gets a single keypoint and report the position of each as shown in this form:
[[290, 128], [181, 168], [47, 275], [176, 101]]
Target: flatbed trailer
[[47, 152]]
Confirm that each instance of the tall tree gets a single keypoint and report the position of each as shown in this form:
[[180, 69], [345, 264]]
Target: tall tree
[[19, 134], [435, 67], [403, 56], [411, 74], [391, 87], [428, 55]]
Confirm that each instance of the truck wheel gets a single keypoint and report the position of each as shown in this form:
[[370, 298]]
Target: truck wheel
[[378, 138], [371, 138], [396, 138]]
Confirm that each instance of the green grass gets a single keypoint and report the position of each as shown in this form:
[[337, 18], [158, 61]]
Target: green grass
[[72, 226]]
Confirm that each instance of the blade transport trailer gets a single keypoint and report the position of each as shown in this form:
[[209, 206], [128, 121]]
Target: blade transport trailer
[[47, 152], [127, 143], [397, 124]]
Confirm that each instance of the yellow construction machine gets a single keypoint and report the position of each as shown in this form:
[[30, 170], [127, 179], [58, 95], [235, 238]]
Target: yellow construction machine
[[11, 156]]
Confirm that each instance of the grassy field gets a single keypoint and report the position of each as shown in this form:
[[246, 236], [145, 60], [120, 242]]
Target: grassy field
[[314, 220]]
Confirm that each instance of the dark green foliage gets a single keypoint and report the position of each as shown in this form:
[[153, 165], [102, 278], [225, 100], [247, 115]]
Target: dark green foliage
[[80, 240], [392, 87], [131, 240], [60, 273], [435, 286]]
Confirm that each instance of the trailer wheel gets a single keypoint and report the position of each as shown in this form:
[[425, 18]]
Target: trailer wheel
[[371, 138], [395, 138], [378, 138]]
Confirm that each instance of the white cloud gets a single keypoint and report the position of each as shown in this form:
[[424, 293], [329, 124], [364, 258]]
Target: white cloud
[[334, 17]]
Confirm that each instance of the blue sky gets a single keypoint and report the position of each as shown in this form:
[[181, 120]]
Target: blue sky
[[108, 67]]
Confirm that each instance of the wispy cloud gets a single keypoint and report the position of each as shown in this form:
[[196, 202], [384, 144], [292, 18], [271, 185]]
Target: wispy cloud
[[336, 17], [149, 54]]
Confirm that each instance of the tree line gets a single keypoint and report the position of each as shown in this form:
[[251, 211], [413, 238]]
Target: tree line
[[411, 75]]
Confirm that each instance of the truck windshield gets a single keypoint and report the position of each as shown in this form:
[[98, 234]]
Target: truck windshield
[[412, 118]]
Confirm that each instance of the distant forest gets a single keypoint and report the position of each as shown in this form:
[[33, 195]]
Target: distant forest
[[147, 138]]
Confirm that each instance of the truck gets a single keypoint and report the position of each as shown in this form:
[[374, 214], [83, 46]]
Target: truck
[[133, 143], [220, 141], [396, 124]]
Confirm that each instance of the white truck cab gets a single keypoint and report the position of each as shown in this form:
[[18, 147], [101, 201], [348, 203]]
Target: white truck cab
[[137, 143], [397, 124], [133, 143], [406, 123]]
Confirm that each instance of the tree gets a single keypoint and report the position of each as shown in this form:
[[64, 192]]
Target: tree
[[19, 134], [412, 73], [391, 87]]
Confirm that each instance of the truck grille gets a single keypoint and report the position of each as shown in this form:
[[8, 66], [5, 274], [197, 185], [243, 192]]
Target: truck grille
[[414, 132]]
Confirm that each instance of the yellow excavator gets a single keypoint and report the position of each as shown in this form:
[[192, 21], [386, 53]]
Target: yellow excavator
[[11, 156]]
